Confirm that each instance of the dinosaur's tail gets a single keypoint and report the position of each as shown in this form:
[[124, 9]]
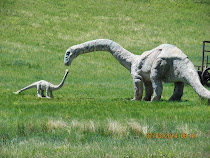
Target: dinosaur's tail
[[190, 75]]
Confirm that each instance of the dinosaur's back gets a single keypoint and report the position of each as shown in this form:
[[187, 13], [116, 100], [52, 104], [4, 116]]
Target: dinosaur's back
[[168, 51], [164, 51]]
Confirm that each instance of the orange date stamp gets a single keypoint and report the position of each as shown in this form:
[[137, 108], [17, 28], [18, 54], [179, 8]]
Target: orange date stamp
[[170, 135]]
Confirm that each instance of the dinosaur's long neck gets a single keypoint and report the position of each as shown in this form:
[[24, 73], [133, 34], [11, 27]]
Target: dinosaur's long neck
[[122, 55], [56, 87]]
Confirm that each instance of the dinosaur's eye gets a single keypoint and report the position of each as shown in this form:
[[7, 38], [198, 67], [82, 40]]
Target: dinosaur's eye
[[67, 53]]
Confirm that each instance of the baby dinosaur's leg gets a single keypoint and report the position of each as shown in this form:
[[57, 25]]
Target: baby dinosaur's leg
[[47, 92], [38, 91], [51, 95], [42, 93]]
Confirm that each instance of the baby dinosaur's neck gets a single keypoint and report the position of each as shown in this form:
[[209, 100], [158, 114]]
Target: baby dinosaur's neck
[[56, 87]]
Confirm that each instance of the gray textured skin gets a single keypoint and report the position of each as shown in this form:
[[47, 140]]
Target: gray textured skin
[[165, 63], [44, 85]]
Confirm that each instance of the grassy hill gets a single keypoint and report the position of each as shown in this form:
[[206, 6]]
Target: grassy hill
[[92, 115]]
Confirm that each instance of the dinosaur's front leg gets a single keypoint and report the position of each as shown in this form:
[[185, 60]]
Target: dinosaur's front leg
[[155, 77], [157, 74], [158, 88], [148, 91], [38, 91], [138, 88]]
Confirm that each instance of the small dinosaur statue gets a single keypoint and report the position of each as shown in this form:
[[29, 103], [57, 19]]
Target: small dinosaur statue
[[44, 85], [165, 63]]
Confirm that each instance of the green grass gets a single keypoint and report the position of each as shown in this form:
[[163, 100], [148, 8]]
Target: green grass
[[92, 115]]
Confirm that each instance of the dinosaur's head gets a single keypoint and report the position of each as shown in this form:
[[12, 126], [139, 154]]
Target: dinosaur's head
[[69, 57]]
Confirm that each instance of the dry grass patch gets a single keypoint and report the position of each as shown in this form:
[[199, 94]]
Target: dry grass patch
[[55, 124], [110, 127], [83, 126], [116, 129], [137, 129]]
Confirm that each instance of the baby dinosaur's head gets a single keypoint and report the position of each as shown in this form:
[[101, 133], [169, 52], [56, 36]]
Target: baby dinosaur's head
[[67, 71]]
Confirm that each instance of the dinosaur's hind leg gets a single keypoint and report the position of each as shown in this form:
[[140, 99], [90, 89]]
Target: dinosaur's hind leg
[[178, 91]]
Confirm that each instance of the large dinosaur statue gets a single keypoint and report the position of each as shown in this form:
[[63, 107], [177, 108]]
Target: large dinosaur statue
[[44, 85], [165, 63]]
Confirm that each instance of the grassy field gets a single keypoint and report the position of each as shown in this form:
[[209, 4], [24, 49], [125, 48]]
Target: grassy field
[[92, 115]]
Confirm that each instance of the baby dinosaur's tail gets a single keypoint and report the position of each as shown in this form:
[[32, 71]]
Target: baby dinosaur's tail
[[33, 85]]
